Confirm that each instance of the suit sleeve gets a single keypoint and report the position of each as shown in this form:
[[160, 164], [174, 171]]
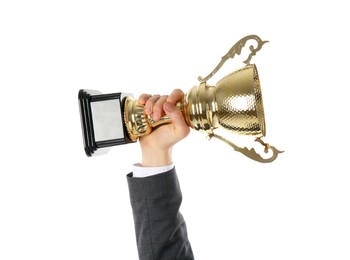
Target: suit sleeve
[[161, 232]]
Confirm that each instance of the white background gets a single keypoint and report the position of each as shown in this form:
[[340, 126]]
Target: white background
[[55, 203]]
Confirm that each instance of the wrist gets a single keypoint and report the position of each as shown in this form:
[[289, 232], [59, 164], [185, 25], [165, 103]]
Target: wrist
[[156, 157]]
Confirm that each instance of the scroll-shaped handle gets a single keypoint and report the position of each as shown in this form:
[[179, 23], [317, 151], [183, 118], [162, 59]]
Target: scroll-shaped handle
[[251, 153], [237, 49]]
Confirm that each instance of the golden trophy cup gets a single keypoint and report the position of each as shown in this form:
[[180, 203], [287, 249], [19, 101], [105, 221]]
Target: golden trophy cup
[[235, 104]]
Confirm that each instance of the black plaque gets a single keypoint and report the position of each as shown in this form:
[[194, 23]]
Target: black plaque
[[102, 121]]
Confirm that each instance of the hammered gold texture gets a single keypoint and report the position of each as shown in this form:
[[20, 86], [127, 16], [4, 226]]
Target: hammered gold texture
[[240, 105]]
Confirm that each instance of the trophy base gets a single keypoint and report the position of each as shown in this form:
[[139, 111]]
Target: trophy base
[[102, 121]]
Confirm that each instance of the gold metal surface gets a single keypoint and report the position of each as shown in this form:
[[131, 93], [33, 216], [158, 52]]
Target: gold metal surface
[[200, 108], [237, 49], [240, 105], [234, 104], [251, 153], [135, 119]]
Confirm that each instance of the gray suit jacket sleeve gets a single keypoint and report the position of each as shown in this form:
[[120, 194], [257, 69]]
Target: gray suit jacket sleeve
[[160, 228]]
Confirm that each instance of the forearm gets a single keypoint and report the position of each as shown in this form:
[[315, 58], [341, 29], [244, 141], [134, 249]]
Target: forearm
[[154, 157], [160, 228]]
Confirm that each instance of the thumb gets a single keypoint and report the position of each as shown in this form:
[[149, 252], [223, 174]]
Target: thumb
[[176, 117]]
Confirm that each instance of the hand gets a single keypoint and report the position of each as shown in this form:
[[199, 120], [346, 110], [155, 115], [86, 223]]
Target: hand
[[157, 146]]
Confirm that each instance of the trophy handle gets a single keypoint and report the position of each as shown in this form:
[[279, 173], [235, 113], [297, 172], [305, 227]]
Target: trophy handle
[[236, 49], [252, 154]]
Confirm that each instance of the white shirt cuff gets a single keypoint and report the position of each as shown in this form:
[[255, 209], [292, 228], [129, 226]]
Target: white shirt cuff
[[141, 172]]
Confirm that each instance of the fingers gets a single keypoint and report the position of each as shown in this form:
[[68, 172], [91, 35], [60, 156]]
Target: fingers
[[143, 98], [175, 114], [177, 118], [155, 105], [175, 96], [150, 104], [158, 111]]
